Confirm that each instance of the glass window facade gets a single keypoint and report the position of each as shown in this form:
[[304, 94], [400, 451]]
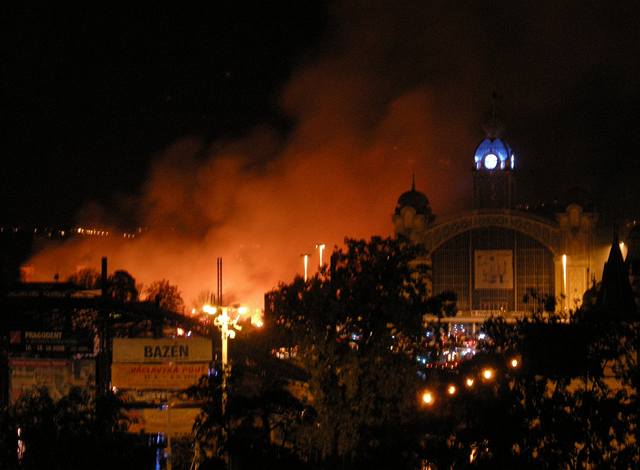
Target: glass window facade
[[455, 265]]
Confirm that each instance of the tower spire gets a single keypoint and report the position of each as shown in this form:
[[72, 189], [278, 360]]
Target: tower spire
[[494, 96], [493, 127]]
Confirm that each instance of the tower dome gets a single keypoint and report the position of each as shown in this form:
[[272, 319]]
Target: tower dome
[[415, 199], [494, 154], [412, 215]]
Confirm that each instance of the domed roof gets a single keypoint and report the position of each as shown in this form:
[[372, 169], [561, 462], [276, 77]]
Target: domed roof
[[415, 199], [497, 147]]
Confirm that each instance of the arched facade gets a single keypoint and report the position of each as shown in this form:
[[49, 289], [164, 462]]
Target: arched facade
[[493, 255], [492, 269]]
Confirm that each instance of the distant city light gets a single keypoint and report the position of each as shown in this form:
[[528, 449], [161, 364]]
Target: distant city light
[[451, 389], [428, 398], [487, 374], [469, 382], [210, 310]]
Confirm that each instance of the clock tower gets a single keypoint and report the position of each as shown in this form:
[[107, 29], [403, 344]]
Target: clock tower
[[493, 178]]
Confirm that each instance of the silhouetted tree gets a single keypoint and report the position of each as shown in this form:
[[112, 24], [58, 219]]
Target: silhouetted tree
[[87, 278], [354, 329], [571, 404], [165, 295], [443, 304], [122, 287], [262, 414], [73, 432]]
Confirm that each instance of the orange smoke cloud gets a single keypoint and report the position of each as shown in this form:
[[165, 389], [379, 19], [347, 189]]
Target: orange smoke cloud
[[261, 201]]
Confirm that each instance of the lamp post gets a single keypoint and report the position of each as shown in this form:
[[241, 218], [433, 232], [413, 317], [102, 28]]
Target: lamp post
[[305, 262], [320, 247], [227, 320]]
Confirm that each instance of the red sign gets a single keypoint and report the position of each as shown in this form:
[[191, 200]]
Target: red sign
[[157, 376]]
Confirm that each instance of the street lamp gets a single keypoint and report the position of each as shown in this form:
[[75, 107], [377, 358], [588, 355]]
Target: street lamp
[[428, 397], [305, 258], [320, 247], [488, 373], [227, 319]]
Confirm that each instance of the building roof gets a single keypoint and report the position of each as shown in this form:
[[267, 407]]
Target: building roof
[[415, 199]]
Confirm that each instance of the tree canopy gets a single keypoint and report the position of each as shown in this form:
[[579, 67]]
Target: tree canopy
[[165, 295], [121, 287], [354, 328]]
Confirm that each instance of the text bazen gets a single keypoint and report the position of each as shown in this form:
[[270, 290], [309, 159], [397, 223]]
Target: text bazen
[[168, 352]]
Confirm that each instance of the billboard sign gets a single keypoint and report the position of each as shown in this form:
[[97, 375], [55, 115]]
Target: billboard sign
[[50, 342], [57, 375], [164, 350], [493, 269], [171, 421]]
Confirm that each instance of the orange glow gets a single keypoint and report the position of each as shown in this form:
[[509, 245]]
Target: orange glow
[[514, 362], [320, 247], [428, 398], [488, 374], [243, 310], [257, 319], [210, 310], [469, 382], [451, 389], [202, 200]]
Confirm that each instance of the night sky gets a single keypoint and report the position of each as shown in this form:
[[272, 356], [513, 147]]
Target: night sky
[[90, 98]]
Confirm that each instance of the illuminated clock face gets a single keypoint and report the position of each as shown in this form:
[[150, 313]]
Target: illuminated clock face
[[490, 161]]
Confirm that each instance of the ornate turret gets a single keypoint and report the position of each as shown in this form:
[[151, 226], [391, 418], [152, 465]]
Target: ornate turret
[[412, 214], [493, 165]]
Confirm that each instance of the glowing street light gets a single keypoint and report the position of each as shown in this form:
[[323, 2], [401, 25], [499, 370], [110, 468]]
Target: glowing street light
[[469, 382], [256, 319], [488, 374], [305, 257], [428, 398], [451, 389], [227, 320], [320, 247], [514, 363], [564, 280]]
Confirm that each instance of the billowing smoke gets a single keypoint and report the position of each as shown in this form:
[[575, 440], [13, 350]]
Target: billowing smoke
[[394, 92], [260, 203]]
